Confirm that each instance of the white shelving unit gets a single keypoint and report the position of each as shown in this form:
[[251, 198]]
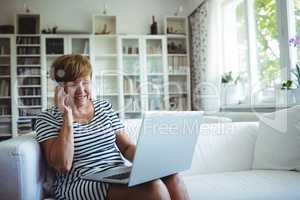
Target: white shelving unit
[[7, 117], [176, 30], [28, 80], [144, 74], [135, 73], [53, 46], [156, 72], [106, 72], [132, 76], [132, 72]]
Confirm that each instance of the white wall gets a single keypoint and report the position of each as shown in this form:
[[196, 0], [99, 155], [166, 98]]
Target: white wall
[[192, 5], [134, 16]]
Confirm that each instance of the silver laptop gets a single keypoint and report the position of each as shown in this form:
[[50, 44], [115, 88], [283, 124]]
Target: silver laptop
[[165, 146]]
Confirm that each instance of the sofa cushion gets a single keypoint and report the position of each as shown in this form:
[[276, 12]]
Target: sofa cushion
[[253, 184], [278, 142]]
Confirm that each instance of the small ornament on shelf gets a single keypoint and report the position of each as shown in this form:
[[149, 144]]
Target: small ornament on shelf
[[105, 9], [52, 30], [153, 27], [26, 8], [104, 30]]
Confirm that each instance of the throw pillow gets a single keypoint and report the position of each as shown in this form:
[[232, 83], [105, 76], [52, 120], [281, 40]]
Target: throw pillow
[[278, 142]]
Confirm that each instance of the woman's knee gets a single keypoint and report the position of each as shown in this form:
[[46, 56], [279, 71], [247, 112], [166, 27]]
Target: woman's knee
[[174, 179], [157, 190]]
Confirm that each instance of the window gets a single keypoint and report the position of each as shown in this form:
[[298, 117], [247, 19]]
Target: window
[[268, 64], [297, 25], [251, 48], [235, 43]]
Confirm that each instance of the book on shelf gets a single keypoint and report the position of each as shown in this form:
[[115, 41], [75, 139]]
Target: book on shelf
[[132, 104], [5, 110], [130, 85], [4, 48], [5, 71], [32, 91], [28, 60], [29, 81], [28, 50], [54, 46], [4, 87], [86, 47], [30, 102], [28, 40], [27, 112], [177, 64], [28, 71]]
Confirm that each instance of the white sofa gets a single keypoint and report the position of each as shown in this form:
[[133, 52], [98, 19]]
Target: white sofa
[[221, 168]]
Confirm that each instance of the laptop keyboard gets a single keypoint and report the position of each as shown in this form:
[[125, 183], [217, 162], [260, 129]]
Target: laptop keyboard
[[119, 176]]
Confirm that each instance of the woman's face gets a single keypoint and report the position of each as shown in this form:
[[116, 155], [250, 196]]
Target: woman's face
[[79, 90]]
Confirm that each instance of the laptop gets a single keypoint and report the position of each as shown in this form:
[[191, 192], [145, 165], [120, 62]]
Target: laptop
[[165, 146]]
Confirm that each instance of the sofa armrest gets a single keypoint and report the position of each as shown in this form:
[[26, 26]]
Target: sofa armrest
[[224, 147], [21, 169]]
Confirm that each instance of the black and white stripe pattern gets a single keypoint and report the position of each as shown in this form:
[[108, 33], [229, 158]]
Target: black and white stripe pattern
[[94, 150]]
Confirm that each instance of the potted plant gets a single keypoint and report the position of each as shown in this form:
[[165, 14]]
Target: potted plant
[[286, 93], [231, 92]]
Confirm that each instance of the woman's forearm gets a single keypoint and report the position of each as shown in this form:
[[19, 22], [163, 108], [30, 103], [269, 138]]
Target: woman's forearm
[[129, 152], [62, 150]]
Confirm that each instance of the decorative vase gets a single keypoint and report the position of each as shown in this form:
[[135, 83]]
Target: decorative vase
[[231, 94], [153, 27], [285, 97]]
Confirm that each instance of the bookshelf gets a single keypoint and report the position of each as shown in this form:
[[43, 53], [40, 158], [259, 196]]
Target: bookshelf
[[138, 73], [53, 46], [176, 30], [28, 73], [156, 72], [106, 71], [131, 65], [6, 62]]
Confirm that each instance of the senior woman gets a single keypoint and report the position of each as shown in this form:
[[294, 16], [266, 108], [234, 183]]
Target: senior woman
[[79, 136]]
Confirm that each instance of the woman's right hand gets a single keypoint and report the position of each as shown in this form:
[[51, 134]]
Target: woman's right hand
[[62, 100]]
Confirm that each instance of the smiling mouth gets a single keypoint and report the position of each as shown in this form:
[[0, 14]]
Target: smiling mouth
[[80, 98]]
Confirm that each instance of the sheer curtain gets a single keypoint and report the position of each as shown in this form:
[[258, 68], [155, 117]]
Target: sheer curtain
[[205, 56]]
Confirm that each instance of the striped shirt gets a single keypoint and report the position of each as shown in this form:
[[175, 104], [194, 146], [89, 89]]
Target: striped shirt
[[94, 150]]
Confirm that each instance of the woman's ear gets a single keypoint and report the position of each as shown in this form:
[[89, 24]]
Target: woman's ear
[[90, 97]]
